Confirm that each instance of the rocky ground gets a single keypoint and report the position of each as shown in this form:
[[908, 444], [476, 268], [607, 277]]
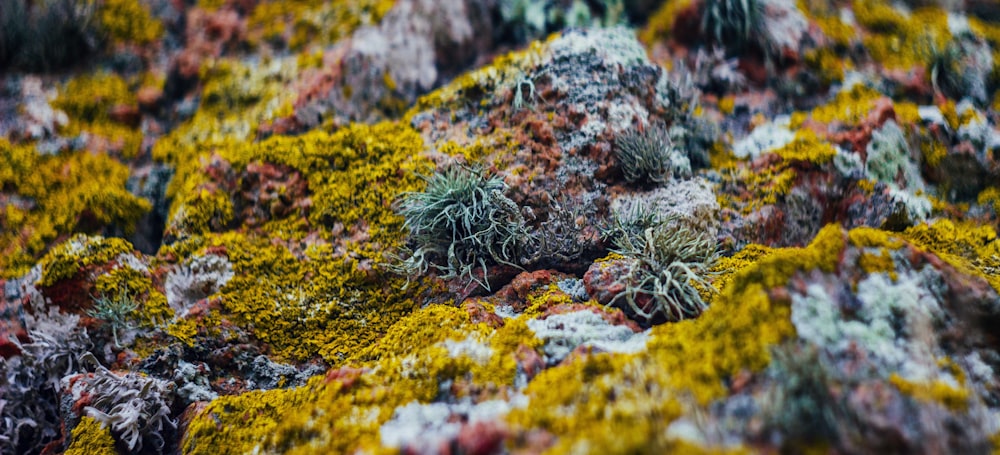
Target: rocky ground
[[499, 226]]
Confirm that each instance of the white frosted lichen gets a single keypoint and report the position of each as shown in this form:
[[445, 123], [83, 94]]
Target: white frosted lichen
[[196, 279], [613, 45], [764, 138], [889, 162], [893, 321], [563, 333], [470, 347], [425, 428]]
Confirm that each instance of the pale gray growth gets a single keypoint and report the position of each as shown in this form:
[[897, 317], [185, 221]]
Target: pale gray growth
[[893, 322], [425, 428], [198, 278], [562, 333]]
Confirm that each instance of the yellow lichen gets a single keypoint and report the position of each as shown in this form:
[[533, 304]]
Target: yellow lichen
[[933, 152], [970, 248], [343, 411], [807, 147], [898, 40], [89, 101], [127, 21], [951, 397], [727, 104], [90, 437], [301, 22], [849, 107], [618, 403], [81, 251], [990, 196], [826, 64], [661, 22], [484, 84]]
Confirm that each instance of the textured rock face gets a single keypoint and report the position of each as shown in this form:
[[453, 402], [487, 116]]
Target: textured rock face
[[501, 227]]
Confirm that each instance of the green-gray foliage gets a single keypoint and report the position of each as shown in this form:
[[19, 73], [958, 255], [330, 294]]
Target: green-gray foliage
[[671, 261], [463, 221], [961, 68], [135, 407], [30, 389], [47, 34], [115, 311], [734, 24], [532, 19], [648, 156]]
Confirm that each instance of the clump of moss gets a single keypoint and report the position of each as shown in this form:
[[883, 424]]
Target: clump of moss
[[670, 264], [462, 221], [734, 24], [648, 156]]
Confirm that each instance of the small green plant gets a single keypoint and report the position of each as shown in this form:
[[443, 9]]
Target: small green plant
[[734, 24], [115, 311], [463, 221], [648, 156], [670, 261]]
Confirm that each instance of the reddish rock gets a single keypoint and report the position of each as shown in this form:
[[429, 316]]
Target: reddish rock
[[479, 313], [149, 97], [481, 438], [529, 361], [601, 279], [346, 376], [125, 114]]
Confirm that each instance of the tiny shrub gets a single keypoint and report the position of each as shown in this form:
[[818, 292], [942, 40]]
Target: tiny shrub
[[463, 221], [670, 262]]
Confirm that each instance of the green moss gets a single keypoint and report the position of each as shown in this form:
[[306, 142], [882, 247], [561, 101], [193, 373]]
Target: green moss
[[127, 21], [90, 437]]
